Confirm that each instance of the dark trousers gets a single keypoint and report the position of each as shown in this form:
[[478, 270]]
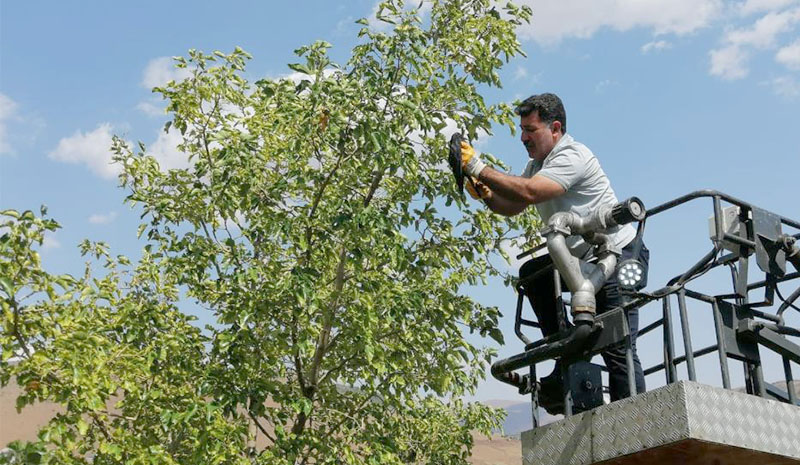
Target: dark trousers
[[541, 294]]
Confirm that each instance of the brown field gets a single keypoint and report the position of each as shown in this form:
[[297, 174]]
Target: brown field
[[24, 426]]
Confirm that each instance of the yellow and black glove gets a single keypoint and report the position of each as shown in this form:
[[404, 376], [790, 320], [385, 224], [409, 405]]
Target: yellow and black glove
[[470, 160], [478, 190]]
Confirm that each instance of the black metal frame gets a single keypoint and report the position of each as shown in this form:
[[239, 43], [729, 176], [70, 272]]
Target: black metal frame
[[740, 328]]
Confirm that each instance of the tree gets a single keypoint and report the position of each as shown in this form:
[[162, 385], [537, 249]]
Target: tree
[[125, 364], [319, 225]]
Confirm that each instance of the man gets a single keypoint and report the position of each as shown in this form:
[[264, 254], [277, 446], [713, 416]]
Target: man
[[562, 175]]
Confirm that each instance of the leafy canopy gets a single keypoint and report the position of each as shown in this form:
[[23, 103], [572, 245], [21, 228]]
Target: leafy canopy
[[318, 224]]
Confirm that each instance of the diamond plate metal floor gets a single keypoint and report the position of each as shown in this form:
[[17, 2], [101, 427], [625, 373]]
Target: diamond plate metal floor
[[685, 422]]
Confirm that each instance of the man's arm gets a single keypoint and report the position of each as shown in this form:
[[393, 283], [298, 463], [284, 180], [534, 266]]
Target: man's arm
[[495, 202], [503, 206], [518, 192], [508, 195]]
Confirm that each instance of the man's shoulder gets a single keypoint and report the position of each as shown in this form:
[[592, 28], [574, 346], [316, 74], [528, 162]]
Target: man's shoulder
[[570, 144], [571, 150]]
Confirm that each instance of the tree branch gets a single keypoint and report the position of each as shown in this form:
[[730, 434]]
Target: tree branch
[[259, 426], [329, 316], [344, 363], [364, 402], [23, 345]]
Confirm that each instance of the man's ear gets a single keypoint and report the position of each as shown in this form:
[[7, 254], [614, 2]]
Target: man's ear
[[556, 126]]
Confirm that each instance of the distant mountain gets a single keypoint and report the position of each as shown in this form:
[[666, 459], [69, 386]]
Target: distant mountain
[[782, 386], [502, 403], [518, 416], [778, 384]]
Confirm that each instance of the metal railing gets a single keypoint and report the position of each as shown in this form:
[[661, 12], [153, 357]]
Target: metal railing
[[741, 327]]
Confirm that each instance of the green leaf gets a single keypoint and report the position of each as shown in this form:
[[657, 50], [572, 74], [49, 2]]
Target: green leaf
[[497, 335], [6, 285], [300, 68], [82, 426]]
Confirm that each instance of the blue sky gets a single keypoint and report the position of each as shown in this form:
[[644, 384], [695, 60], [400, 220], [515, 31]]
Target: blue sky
[[671, 95]]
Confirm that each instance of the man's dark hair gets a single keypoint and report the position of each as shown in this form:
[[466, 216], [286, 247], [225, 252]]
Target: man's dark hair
[[547, 106]]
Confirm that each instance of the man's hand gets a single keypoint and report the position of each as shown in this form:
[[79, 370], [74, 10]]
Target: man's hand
[[478, 190], [471, 161]]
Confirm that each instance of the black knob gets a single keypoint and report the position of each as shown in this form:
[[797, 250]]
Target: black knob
[[628, 211]]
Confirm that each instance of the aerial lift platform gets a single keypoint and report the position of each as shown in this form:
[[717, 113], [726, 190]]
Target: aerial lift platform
[[684, 421]]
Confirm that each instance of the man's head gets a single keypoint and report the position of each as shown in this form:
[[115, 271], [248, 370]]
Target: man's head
[[543, 122]]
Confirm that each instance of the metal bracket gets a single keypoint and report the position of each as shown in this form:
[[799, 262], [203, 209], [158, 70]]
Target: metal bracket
[[614, 329], [586, 386], [770, 255], [734, 319]]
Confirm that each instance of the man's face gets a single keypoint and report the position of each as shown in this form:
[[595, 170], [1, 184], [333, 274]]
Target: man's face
[[538, 138]]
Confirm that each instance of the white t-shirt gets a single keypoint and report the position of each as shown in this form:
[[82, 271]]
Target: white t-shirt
[[573, 166]]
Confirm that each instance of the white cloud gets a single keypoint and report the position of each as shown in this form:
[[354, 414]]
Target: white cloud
[[297, 76], [165, 150], [759, 6], [763, 32], [158, 72], [554, 21], [729, 62], [50, 243], [161, 70], [150, 109], [785, 86], [520, 73], [99, 218], [789, 56], [91, 148], [94, 150], [451, 127], [417, 138], [8, 110], [656, 45], [741, 37]]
